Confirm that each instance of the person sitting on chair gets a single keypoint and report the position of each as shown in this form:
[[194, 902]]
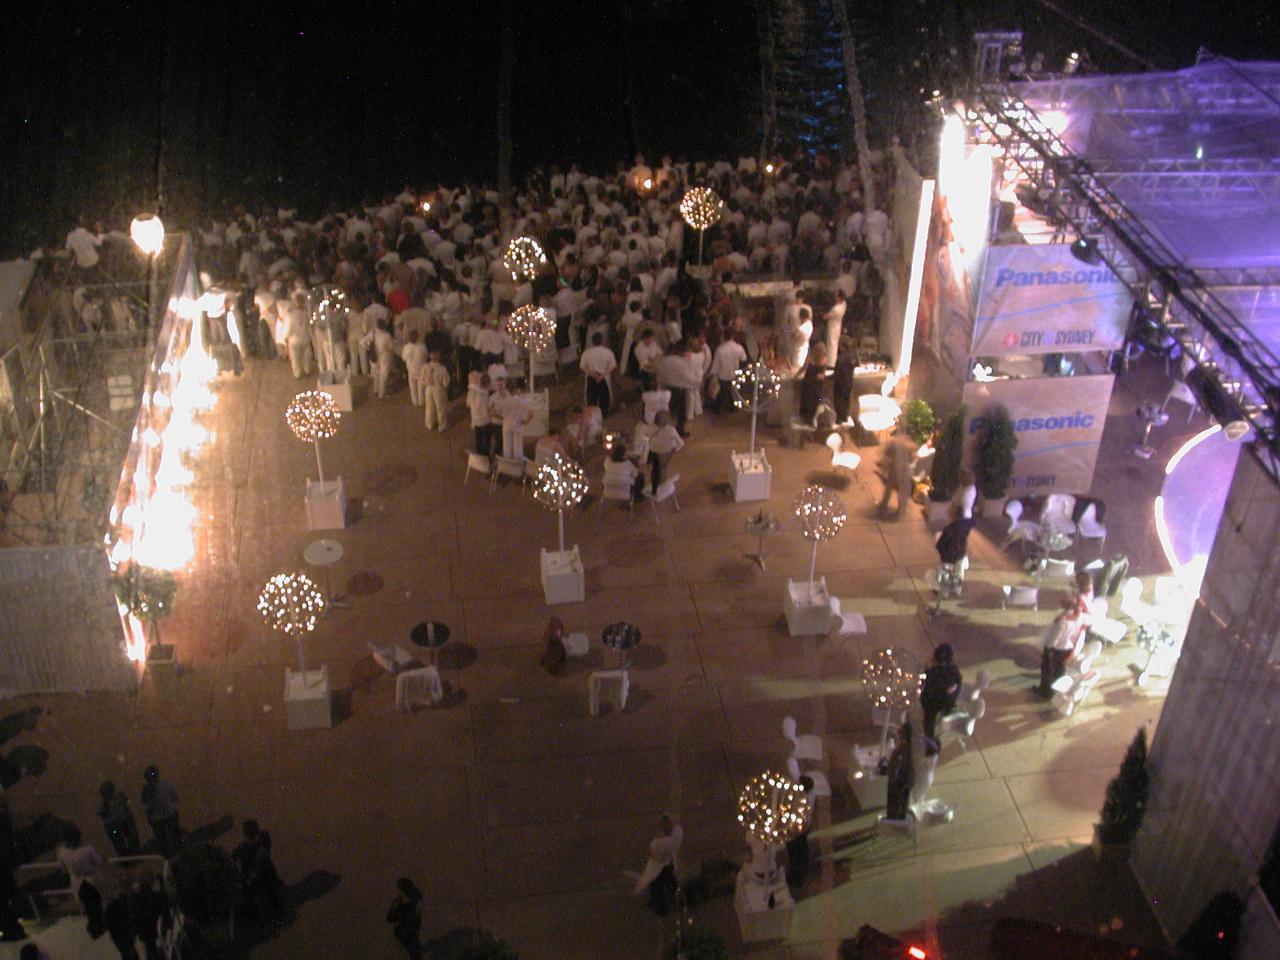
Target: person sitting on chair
[[1066, 634], [940, 688], [620, 471]]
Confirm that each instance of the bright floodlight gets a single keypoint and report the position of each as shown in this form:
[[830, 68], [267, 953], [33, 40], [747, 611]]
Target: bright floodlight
[[523, 257], [148, 233], [701, 208], [772, 808]]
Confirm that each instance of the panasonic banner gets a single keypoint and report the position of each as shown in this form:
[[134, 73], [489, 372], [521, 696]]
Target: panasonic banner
[[1040, 299], [1058, 422]]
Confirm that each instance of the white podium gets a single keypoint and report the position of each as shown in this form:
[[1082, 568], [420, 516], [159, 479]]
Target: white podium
[[808, 608], [562, 576], [750, 476], [757, 920], [338, 386], [326, 505], [308, 699]]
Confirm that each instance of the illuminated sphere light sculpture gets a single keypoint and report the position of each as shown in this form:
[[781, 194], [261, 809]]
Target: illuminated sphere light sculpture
[[762, 383], [772, 807], [532, 328], [701, 208], [291, 603], [892, 681], [147, 231], [313, 416], [523, 258], [560, 483], [821, 514]]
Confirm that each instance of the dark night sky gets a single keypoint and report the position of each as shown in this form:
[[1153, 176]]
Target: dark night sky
[[309, 102]]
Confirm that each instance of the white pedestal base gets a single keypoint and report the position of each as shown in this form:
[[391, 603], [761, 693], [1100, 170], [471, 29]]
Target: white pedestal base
[[808, 608], [756, 919], [326, 505], [337, 386], [870, 789], [540, 407], [562, 576], [308, 699], [750, 476]]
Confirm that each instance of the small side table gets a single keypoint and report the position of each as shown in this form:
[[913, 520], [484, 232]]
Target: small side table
[[324, 554], [761, 526]]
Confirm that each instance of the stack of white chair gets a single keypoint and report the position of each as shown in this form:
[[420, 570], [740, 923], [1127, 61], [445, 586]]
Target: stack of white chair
[[1105, 628], [1071, 688], [809, 748], [1083, 663], [1090, 527]]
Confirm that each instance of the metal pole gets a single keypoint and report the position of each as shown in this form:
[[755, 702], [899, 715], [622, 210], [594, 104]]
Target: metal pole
[[700, 232], [319, 465], [755, 412], [813, 567], [297, 623], [560, 514]]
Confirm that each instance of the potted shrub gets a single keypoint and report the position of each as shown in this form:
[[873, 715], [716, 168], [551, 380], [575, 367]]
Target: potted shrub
[[945, 475], [1124, 805], [148, 594], [994, 468], [918, 420]]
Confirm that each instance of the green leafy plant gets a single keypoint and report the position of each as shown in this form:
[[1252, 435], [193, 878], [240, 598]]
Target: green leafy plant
[[1126, 799], [147, 593], [694, 943], [918, 420], [994, 468], [945, 475]]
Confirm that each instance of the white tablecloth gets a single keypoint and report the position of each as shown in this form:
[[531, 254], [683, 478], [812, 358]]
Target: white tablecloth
[[418, 686]]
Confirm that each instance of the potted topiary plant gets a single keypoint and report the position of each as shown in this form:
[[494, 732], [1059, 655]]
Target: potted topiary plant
[[918, 420], [148, 594], [945, 475], [994, 468], [1124, 805]]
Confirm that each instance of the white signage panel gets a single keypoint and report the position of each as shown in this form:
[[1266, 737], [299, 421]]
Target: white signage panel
[[1038, 298], [1058, 422]]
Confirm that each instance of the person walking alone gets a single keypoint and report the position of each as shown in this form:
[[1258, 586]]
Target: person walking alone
[[160, 804], [117, 820], [434, 387]]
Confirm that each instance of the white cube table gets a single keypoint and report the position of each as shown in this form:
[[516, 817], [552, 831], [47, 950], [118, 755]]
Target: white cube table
[[337, 386], [563, 580], [750, 476], [870, 789], [326, 505], [308, 699], [808, 608]]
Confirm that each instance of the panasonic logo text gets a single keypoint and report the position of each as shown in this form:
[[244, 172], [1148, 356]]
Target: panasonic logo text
[[1075, 421], [1051, 278]]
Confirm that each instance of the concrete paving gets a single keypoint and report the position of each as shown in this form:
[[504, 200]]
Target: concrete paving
[[511, 807]]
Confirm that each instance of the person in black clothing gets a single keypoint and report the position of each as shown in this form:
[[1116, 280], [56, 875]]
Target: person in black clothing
[[798, 846], [953, 542], [902, 776], [260, 883], [411, 246], [811, 384], [117, 820], [120, 927], [405, 917], [940, 688], [149, 913], [842, 380], [10, 928]]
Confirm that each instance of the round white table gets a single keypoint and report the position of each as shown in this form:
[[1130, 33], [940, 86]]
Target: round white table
[[324, 554]]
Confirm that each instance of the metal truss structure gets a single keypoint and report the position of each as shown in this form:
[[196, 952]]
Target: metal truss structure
[[1081, 198]]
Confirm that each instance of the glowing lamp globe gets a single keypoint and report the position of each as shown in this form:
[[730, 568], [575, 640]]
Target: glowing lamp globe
[[772, 807], [523, 258], [313, 416], [559, 484], [760, 381], [148, 233], [821, 513], [531, 327], [291, 603], [701, 208]]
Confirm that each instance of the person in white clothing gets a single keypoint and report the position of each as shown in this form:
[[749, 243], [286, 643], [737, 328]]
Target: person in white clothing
[[801, 334], [478, 407], [659, 874], [433, 378], [384, 348], [648, 351], [84, 245], [663, 442], [414, 356], [513, 410], [298, 337], [834, 319], [728, 357], [598, 364], [966, 494]]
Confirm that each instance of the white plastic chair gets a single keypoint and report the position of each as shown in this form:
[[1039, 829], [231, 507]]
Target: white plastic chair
[[1084, 660], [1019, 595], [845, 622], [821, 785], [666, 491], [1183, 394], [655, 400], [1060, 568], [842, 459], [1132, 605], [964, 720], [1018, 529], [877, 413], [576, 645], [477, 463], [969, 692], [1101, 626], [1070, 690], [1057, 512], [514, 467], [806, 746], [1089, 528], [617, 491]]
